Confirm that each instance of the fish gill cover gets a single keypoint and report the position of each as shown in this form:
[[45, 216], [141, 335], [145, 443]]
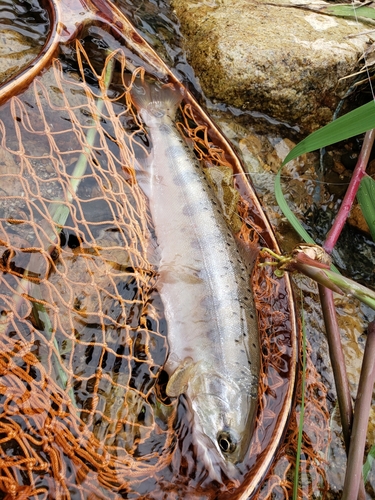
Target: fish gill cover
[[83, 337]]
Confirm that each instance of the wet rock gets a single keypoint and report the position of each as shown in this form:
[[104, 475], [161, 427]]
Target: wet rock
[[278, 59]]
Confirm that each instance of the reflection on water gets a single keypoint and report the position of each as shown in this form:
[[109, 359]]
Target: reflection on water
[[26, 17]]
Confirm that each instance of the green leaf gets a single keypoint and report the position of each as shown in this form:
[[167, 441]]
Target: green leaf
[[348, 11], [356, 122], [369, 462], [302, 407], [366, 200], [292, 219], [288, 213]]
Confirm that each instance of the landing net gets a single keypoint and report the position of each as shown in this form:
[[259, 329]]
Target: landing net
[[83, 338]]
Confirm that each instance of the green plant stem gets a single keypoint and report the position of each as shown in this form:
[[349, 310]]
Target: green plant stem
[[351, 192], [320, 273], [334, 281], [302, 410], [58, 211], [361, 417], [350, 287]]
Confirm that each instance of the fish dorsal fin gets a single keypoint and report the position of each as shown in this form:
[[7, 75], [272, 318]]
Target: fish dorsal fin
[[179, 379]]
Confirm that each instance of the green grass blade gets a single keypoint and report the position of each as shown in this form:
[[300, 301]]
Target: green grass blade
[[58, 211], [356, 122], [288, 213], [367, 466], [291, 217], [366, 200], [348, 11], [302, 409]]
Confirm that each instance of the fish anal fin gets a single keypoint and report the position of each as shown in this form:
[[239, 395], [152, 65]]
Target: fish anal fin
[[179, 379]]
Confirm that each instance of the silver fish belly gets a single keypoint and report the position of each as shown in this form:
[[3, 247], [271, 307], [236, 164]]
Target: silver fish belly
[[214, 356]]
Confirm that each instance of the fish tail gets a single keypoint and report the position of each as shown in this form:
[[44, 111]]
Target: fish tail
[[152, 97]]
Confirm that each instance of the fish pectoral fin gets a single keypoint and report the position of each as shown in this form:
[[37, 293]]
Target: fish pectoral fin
[[179, 379]]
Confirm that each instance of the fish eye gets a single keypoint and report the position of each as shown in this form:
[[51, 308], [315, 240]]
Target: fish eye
[[227, 442]]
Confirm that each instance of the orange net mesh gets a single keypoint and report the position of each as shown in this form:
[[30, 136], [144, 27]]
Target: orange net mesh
[[82, 333], [81, 342], [315, 442]]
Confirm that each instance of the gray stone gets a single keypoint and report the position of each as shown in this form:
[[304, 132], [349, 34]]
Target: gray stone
[[277, 59]]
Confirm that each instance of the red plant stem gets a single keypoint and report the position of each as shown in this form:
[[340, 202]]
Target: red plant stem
[[351, 192], [339, 372], [361, 416], [338, 363]]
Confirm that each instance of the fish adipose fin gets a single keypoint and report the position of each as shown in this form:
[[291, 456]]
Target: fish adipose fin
[[157, 99], [179, 379]]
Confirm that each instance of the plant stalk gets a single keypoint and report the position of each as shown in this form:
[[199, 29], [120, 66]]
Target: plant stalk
[[361, 417], [318, 271], [338, 362], [345, 285], [302, 410], [351, 192]]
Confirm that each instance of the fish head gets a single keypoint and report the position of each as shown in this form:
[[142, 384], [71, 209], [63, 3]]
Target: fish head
[[224, 415]]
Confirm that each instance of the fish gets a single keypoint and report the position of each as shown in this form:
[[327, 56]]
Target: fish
[[204, 284]]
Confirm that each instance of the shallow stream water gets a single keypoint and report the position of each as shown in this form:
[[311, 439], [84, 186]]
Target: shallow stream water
[[314, 197], [262, 143]]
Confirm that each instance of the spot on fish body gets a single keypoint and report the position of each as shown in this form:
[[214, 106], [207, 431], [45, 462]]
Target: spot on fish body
[[193, 208], [165, 129], [174, 151], [195, 243]]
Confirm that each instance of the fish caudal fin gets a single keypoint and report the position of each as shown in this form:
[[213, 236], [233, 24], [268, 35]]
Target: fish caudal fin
[[153, 98]]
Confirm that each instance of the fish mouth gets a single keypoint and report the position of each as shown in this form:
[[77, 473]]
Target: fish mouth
[[231, 440], [219, 466]]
